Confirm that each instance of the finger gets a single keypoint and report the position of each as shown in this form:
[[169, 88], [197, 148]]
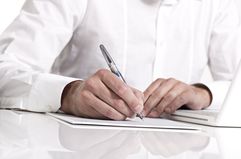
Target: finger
[[169, 97], [87, 112], [84, 110], [179, 101], [121, 89], [158, 94], [138, 94], [109, 97], [152, 88], [153, 114], [101, 107]]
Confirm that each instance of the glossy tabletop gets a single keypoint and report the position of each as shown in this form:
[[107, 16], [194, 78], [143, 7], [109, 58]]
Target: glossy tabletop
[[25, 135]]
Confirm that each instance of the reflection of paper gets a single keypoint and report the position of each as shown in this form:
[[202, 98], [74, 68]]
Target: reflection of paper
[[157, 123]]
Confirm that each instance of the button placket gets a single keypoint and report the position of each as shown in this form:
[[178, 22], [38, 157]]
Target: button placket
[[161, 35]]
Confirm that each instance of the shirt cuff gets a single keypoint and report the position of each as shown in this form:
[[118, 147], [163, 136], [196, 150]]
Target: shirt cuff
[[219, 91], [45, 95]]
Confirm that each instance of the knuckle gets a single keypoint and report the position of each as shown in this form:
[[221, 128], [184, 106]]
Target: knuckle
[[159, 80], [160, 109], [85, 95], [171, 80], [169, 97], [147, 92], [90, 84], [109, 113], [179, 84], [101, 73], [118, 103], [122, 89], [156, 94], [183, 86]]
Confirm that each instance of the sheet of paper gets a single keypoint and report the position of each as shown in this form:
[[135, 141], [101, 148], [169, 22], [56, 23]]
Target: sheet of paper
[[158, 123]]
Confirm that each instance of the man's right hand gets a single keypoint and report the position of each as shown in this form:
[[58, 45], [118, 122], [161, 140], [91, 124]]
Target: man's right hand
[[102, 96]]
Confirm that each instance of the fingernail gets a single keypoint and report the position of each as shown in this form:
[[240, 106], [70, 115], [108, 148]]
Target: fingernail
[[138, 108]]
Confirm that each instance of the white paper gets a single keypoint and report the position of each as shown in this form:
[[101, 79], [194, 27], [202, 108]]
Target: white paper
[[156, 123]]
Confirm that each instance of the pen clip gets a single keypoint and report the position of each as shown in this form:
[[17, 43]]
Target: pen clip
[[107, 56], [111, 62]]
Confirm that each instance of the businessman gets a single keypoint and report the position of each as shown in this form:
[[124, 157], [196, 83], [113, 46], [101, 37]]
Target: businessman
[[50, 58]]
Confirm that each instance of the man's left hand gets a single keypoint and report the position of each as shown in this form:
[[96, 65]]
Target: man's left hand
[[168, 95]]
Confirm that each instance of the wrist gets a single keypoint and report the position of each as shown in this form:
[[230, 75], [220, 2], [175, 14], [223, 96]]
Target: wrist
[[206, 93], [68, 91]]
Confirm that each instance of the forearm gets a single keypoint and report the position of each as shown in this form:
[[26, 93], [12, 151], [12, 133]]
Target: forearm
[[26, 89], [28, 50]]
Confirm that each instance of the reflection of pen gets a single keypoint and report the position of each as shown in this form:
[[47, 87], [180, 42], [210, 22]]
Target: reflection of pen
[[113, 67]]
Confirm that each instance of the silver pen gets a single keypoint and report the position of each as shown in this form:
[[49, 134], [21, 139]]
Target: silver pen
[[114, 68]]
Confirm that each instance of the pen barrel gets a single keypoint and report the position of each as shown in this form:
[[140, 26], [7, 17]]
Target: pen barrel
[[114, 70]]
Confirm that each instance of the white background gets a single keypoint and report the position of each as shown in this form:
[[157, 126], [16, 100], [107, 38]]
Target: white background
[[9, 9]]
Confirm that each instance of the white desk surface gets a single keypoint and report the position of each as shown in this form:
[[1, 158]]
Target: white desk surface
[[38, 136]]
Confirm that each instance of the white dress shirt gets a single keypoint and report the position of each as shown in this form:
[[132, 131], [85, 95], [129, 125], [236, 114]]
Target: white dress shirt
[[53, 42]]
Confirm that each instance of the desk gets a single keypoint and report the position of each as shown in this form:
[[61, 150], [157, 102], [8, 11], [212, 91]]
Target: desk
[[26, 135]]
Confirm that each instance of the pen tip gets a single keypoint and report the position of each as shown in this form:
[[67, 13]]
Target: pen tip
[[140, 116]]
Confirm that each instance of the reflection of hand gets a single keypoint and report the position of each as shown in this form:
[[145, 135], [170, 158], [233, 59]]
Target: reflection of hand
[[169, 144], [167, 95], [103, 96], [97, 143]]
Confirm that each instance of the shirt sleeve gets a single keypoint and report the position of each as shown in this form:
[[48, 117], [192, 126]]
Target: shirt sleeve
[[28, 49], [224, 50]]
